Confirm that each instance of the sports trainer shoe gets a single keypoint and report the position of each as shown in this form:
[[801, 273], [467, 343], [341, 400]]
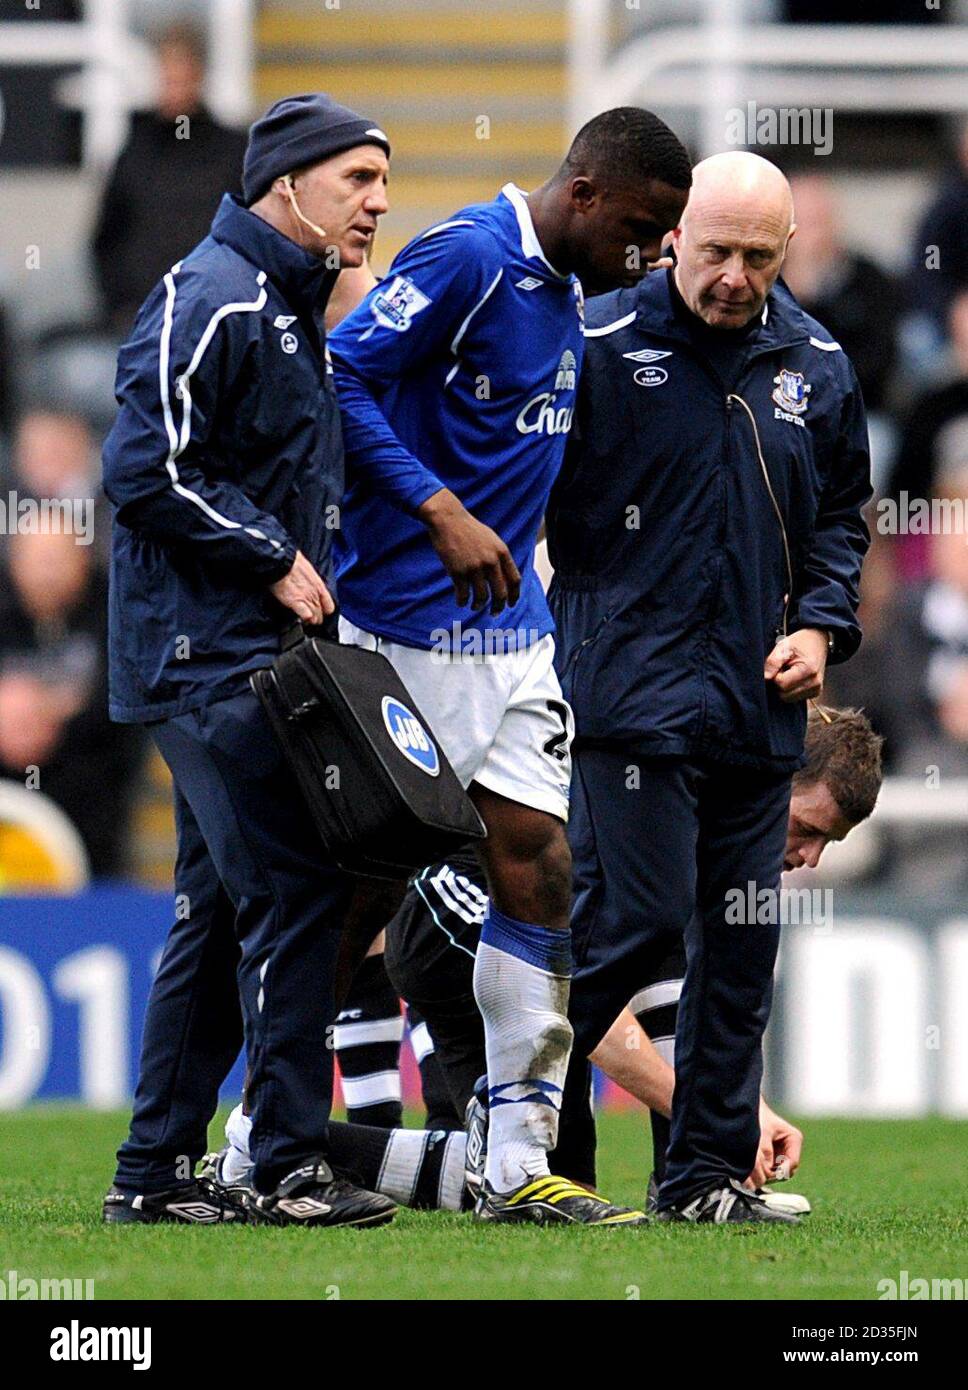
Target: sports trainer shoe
[[729, 1204], [475, 1122], [237, 1193], [790, 1202], [548, 1201], [313, 1196], [652, 1196], [188, 1204]]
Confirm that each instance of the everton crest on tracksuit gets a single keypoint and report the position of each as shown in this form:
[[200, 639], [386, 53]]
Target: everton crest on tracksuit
[[710, 500]]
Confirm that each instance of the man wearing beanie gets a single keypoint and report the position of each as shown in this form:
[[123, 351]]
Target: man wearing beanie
[[225, 470]]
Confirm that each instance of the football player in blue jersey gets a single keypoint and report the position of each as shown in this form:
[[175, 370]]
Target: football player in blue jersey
[[456, 378]]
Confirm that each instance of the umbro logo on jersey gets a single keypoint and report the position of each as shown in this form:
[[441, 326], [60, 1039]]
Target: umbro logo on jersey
[[528, 283], [648, 375], [288, 342], [646, 355]]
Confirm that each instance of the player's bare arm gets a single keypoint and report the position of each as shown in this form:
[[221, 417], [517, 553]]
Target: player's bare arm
[[628, 1057], [474, 556]]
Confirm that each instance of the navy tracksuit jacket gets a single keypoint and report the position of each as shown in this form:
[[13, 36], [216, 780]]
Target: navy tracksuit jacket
[[225, 459], [671, 586]]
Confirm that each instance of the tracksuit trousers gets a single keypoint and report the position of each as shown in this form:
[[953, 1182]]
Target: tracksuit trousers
[[259, 913], [666, 847]]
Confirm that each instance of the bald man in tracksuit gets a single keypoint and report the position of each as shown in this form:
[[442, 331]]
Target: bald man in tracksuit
[[707, 539]]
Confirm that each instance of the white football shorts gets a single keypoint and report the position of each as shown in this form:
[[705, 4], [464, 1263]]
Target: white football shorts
[[500, 719]]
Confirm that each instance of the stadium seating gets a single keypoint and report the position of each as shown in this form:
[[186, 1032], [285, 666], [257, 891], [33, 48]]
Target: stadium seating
[[429, 75]]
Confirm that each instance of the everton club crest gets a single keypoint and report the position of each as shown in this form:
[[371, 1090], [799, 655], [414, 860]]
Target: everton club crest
[[792, 393]]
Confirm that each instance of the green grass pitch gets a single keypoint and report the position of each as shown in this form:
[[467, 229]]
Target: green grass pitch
[[887, 1195]]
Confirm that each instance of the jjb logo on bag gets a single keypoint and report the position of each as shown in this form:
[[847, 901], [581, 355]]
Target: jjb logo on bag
[[410, 736]]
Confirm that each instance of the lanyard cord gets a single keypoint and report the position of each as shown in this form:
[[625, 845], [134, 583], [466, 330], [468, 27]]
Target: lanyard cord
[[786, 545], [776, 507]]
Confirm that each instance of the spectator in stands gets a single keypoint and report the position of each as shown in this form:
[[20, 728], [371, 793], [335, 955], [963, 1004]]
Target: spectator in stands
[[851, 296], [864, 682], [53, 690], [6, 373], [917, 460], [53, 455], [932, 426], [928, 687], [167, 182], [940, 252]]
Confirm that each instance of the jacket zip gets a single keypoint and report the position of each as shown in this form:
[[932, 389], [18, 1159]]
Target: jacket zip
[[720, 537], [790, 578], [685, 343]]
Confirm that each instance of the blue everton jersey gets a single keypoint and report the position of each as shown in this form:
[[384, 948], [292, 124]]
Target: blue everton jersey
[[458, 371]]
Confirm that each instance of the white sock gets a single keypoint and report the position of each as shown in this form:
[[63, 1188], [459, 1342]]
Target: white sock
[[528, 1042], [237, 1163], [451, 1190], [406, 1152]]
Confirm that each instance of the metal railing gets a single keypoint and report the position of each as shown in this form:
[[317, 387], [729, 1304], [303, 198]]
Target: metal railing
[[910, 801], [910, 804], [724, 62], [108, 51]]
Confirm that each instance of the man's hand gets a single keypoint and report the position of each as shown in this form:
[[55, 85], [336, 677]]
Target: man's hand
[[475, 557], [781, 1144], [303, 592], [797, 664]]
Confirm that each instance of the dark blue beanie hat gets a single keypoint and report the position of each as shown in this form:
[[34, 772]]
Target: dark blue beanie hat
[[302, 130]]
